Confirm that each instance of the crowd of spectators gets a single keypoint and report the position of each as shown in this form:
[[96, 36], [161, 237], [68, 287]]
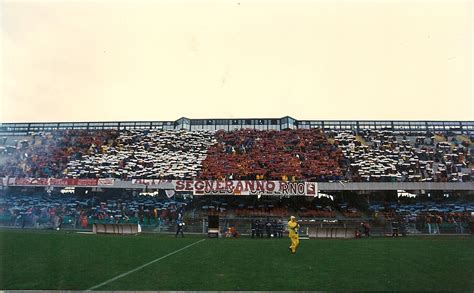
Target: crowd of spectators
[[386, 156], [249, 207], [426, 216], [146, 154], [46, 211], [289, 155], [158, 212], [272, 155], [47, 154], [38, 211]]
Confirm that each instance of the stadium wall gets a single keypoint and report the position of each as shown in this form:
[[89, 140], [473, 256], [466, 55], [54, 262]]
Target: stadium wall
[[172, 185]]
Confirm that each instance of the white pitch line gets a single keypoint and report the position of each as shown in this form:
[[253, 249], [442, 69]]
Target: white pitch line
[[142, 266]]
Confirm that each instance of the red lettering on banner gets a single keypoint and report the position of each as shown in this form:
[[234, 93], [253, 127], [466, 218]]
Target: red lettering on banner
[[311, 190], [229, 185], [189, 185], [59, 181], [260, 186], [283, 187], [301, 188], [239, 186], [209, 184], [179, 185], [270, 186], [199, 185], [291, 188], [219, 185], [87, 182], [249, 185]]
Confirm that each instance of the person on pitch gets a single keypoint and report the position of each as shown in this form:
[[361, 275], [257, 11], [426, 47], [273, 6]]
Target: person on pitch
[[179, 228], [293, 227]]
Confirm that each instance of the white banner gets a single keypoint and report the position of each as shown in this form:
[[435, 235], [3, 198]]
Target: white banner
[[197, 187], [246, 187]]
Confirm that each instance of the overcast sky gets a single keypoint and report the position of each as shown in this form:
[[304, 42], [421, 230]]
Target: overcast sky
[[161, 60]]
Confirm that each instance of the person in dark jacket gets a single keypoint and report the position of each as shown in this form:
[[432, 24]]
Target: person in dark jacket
[[280, 228], [366, 228], [259, 228], [179, 228], [253, 227], [268, 228]]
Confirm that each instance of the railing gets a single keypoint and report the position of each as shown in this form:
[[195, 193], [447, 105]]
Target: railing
[[243, 226], [457, 127]]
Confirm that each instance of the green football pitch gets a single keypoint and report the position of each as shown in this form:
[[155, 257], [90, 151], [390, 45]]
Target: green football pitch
[[60, 260]]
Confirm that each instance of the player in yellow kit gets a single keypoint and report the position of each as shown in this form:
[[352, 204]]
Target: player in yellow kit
[[293, 227]]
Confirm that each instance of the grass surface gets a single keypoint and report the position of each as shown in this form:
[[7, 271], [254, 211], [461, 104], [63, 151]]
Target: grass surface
[[70, 261]]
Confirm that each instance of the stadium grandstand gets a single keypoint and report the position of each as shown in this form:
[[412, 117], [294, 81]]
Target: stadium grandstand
[[416, 176]]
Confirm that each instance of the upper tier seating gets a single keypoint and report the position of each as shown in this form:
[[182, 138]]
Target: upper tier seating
[[289, 155]]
